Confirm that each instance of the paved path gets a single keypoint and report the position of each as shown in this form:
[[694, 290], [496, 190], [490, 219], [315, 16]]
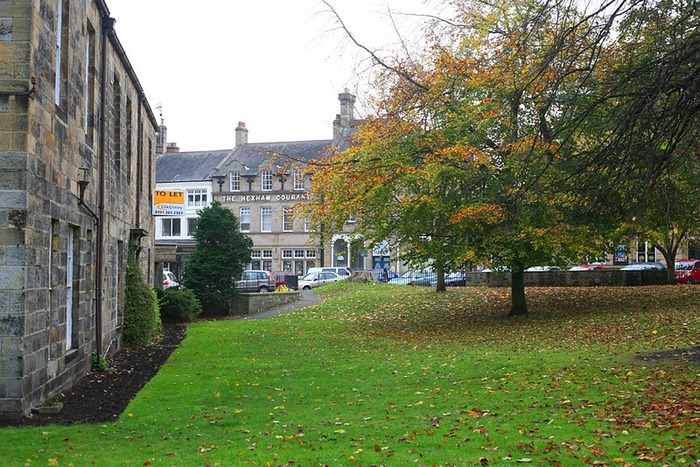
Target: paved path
[[308, 297]]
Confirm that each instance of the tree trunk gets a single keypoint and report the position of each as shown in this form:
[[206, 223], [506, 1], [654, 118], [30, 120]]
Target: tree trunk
[[517, 294], [670, 257], [440, 280]]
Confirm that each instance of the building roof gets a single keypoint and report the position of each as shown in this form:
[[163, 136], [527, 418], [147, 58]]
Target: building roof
[[189, 166], [252, 155]]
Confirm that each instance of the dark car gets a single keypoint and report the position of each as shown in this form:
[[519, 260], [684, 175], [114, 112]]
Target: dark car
[[688, 271]]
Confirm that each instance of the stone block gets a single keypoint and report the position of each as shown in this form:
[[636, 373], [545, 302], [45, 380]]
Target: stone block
[[11, 277], [13, 255], [11, 326], [13, 199]]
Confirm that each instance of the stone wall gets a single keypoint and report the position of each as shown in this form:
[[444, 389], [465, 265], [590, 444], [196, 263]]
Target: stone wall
[[247, 303], [49, 241], [610, 278]]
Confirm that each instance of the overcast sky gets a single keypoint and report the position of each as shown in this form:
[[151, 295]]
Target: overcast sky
[[277, 65]]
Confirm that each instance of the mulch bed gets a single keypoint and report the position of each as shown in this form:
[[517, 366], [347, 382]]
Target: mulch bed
[[101, 397]]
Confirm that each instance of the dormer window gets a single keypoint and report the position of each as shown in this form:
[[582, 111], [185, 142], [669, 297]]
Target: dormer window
[[299, 180], [267, 180], [235, 181]]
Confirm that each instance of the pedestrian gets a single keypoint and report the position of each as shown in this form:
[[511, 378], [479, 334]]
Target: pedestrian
[[385, 274]]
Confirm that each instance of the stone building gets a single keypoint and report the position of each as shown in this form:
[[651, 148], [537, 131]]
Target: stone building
[[260, 183], [77, 152]]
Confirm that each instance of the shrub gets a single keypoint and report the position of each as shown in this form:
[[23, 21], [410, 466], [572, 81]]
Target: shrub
[[179, 306], [141, 314]]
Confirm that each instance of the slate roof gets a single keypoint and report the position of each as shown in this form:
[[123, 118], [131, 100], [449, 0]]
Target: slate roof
[[189, 166], [252, 155]]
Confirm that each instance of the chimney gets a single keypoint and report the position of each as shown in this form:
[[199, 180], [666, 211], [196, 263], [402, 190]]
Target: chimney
[[162, 138], [346, 115], [347, 106], [241, 134], [172, 148]]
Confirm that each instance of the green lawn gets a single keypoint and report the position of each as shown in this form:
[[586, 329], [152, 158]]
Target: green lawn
[[394, 375]]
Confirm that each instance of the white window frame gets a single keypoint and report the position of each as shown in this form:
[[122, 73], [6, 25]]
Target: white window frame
[[299, 184], [171, 221], [235, 182], [59, 51], [266, 180], [266, 219], [197, 197], [287, 219], [244, 213]]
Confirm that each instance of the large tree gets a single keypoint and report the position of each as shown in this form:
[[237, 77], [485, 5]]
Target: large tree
[[500, 142], [222, 253]]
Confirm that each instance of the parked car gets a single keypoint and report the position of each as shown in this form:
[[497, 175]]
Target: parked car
[[377, 273], [344, 273], [543, 269], [317, 279], [413, 278], [256, 281], [280, 275], [688, 271], [587, 267], [453, 279], [169, 280], [642, 266], [496, 269]]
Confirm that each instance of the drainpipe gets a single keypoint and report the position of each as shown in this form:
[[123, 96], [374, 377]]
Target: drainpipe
[[139, 159], [107, 27]]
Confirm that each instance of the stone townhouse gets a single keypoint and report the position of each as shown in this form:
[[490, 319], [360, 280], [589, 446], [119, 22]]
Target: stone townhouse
[[261, 183], [77, 152]]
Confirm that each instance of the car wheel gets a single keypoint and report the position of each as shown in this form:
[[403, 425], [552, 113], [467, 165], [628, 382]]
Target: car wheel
[[689, 280], [307, 287], [263, 289]]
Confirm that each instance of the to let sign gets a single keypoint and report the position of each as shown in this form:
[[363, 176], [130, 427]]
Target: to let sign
[[168, 203]]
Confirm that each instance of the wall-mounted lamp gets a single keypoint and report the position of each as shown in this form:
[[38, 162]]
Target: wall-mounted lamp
[[83, 184]]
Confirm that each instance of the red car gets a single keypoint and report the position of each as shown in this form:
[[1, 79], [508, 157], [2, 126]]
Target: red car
[[688, 271], [279, 277]]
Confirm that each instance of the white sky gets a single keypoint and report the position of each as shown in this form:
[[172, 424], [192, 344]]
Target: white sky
[[277, 65]]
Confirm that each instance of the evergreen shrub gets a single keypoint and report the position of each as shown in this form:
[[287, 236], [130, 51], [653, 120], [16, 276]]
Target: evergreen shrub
[[141, 313], [179, 306]]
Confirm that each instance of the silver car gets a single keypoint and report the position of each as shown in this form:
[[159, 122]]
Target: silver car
[[256, 281], [316, 279]]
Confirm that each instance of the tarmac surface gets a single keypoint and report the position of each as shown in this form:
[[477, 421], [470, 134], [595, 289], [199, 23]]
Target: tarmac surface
[[307, 298]]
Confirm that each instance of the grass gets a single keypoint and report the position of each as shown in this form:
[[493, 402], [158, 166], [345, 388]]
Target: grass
[[392, 375]]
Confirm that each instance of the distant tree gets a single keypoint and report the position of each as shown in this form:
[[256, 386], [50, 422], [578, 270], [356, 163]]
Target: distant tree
[[510, 138], [221, 255]]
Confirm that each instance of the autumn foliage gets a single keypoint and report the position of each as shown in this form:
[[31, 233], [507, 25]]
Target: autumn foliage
[[508, 140]]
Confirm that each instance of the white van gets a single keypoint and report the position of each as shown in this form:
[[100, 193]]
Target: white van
[[344, 273]]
